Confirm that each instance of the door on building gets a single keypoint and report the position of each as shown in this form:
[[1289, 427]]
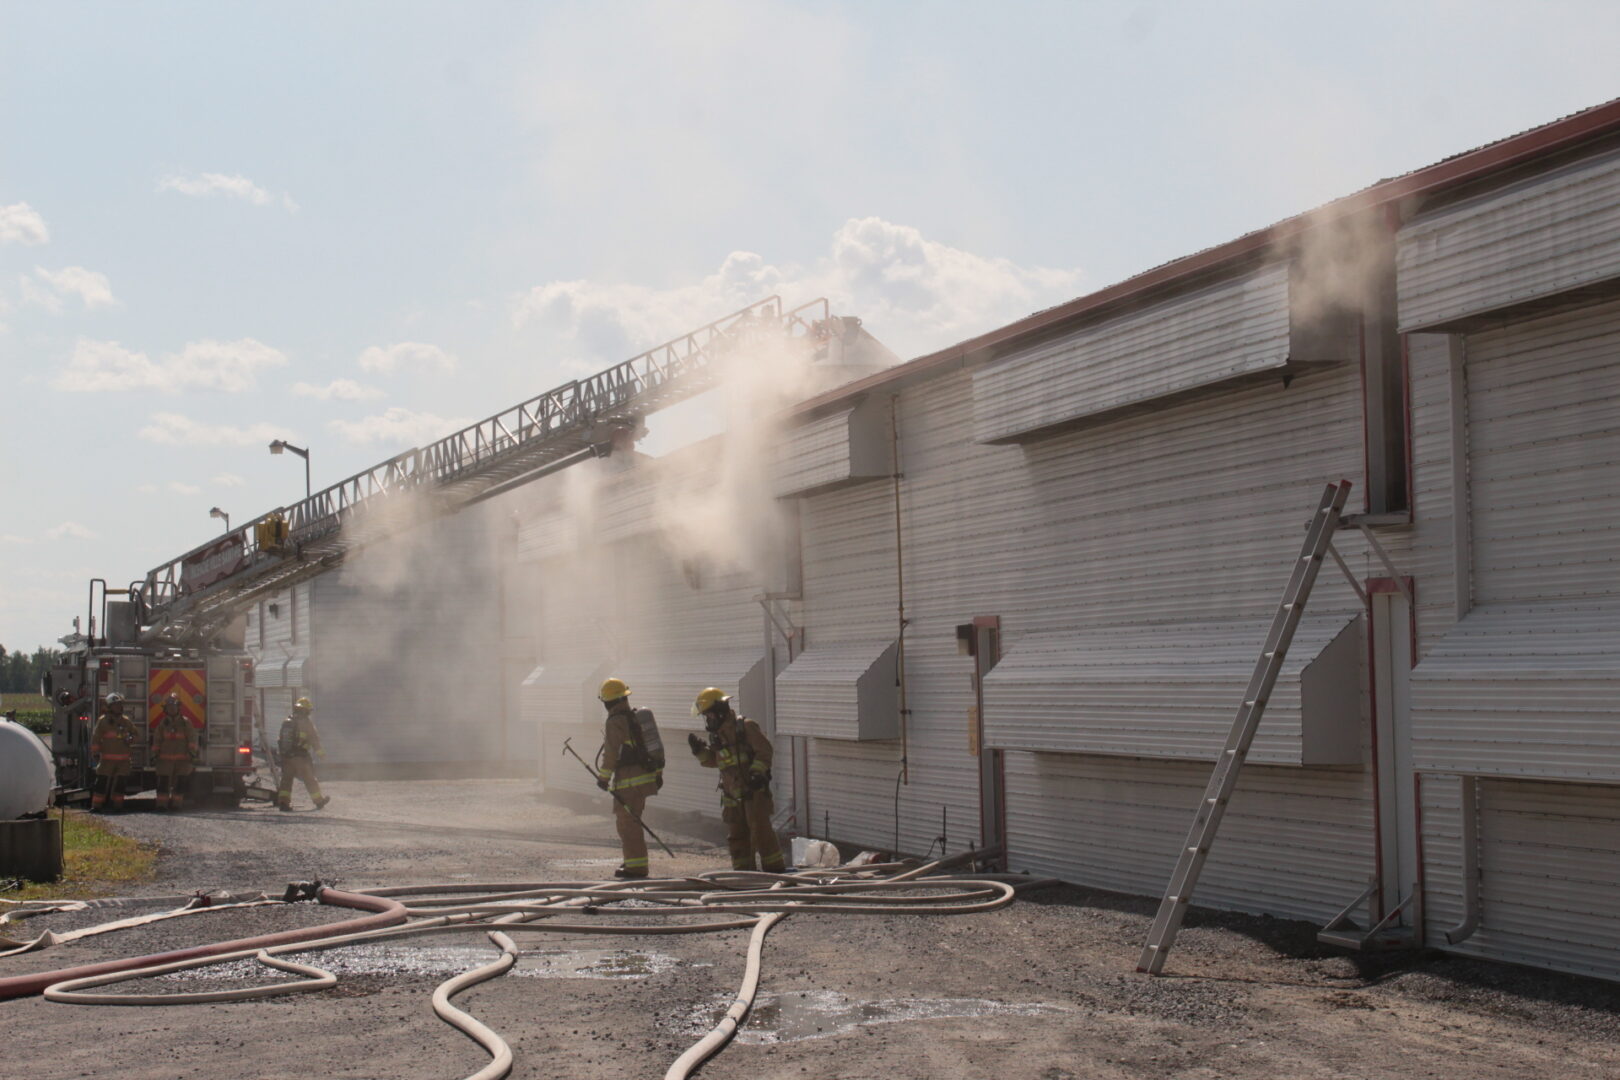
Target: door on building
[[986, 639]]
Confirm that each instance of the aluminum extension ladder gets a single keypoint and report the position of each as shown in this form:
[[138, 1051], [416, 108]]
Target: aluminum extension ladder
[[1190, 863]]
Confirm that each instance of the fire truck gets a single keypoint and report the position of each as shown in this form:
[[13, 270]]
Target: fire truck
[[214, 684]]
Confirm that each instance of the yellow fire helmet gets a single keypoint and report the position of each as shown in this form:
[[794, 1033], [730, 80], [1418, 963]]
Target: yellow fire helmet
[[613, 690], [707, 699], [303, 704]]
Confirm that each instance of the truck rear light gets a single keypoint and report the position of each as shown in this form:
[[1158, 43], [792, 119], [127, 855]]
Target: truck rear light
[[247, 672], [245, 751]]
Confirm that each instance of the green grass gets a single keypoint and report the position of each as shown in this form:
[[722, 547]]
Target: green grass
[[100, 862], [34, 711]]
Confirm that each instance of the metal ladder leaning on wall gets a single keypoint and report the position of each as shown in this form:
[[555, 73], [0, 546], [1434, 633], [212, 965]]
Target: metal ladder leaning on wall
[[1190, 863]]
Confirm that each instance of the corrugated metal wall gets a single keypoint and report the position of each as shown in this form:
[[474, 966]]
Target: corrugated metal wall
[[1536, 239], [1294, 841], [1172, 690], [1528, 683], [1549, 867], [1544, 458], [1160, 517], [1234, 328], [1516, 444]]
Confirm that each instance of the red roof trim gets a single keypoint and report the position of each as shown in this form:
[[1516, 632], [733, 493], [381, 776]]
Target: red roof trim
[[1549, 138]]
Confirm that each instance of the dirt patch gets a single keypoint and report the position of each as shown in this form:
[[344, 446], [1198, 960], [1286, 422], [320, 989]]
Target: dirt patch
[[1045, 989]]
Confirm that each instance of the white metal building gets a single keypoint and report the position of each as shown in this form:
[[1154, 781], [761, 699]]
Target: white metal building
[[1024, 579]]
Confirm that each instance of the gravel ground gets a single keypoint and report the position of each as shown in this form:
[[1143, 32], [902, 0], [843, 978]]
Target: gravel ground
[[1044, 989]]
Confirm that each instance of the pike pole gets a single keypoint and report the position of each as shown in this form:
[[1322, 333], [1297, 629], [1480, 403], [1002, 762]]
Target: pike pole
[[584, 765]]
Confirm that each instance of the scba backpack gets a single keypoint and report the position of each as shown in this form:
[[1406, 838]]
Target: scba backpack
[[649, 744]]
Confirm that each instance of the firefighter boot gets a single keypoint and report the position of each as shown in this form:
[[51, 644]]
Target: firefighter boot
[[322, 800]]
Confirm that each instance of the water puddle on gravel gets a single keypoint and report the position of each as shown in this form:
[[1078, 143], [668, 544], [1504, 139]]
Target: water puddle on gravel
[[442, 961], [818, 1014]]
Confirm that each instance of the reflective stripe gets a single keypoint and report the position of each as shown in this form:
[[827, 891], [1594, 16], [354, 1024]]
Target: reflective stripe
[[605, 774], [635, 781], [114, 757], [758, 766], [636, 864]]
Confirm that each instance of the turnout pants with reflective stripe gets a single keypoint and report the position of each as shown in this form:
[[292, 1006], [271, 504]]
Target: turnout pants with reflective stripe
[[631, 837], [749, 830], [297, 768]]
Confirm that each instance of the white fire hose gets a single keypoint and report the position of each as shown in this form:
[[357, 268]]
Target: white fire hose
[[759, 900]]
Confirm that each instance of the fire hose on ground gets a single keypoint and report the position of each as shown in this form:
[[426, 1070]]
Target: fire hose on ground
[[757, 902]]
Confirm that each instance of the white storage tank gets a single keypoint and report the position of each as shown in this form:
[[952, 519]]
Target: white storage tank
[[26, 772]]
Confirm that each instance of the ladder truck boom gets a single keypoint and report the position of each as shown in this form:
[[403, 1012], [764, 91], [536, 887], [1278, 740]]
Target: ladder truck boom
[[191, 598]]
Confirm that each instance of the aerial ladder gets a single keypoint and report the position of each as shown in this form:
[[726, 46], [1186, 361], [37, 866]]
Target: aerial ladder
[[190, 599]]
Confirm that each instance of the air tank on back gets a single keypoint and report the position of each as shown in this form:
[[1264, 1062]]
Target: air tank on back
[[26, 773]]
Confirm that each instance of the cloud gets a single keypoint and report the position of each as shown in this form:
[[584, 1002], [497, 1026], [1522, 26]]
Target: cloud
[[398, 426], [21, 224], [337, 390], [390, 358], [69, 530], [173, 429], [913, 293], [232, 186], [50, 289], [227, 366], [13, 538], [184, 489], [226, 479]]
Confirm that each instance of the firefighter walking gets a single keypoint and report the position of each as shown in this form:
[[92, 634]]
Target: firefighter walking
[[112, 741], [739, 749], [174, 741], [296, 743], [629, 768]]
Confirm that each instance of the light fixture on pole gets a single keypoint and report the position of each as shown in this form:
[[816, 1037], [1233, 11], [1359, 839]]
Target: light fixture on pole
[[217, 512], [282, 444]]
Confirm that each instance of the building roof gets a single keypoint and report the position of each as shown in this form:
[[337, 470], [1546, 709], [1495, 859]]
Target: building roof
[[1452, 172]]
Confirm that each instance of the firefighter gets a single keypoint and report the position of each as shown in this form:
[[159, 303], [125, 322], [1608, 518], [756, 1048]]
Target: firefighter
[[295, 743], [739, 749], [175, 742], [111, 740], [623, 767]]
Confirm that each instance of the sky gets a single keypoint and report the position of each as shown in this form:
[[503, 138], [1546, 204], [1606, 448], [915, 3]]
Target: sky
[[359, 226]]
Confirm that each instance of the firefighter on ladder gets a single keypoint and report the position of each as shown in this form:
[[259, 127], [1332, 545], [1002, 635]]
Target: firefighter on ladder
[[296, 742], [622, 768], [175, 741], [739, 749], [111, 740]]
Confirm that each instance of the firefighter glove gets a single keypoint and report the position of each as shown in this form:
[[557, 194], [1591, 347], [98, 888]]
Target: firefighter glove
[[696, 742], [602, 783]]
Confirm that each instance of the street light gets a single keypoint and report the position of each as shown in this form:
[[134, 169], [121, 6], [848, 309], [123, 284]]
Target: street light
[[217, 512], [282, 444]]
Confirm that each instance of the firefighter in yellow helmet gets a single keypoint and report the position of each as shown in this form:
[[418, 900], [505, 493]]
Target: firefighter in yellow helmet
[[174, 743], [295, 744], [627, 767], [739, 749], [111, 741]]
